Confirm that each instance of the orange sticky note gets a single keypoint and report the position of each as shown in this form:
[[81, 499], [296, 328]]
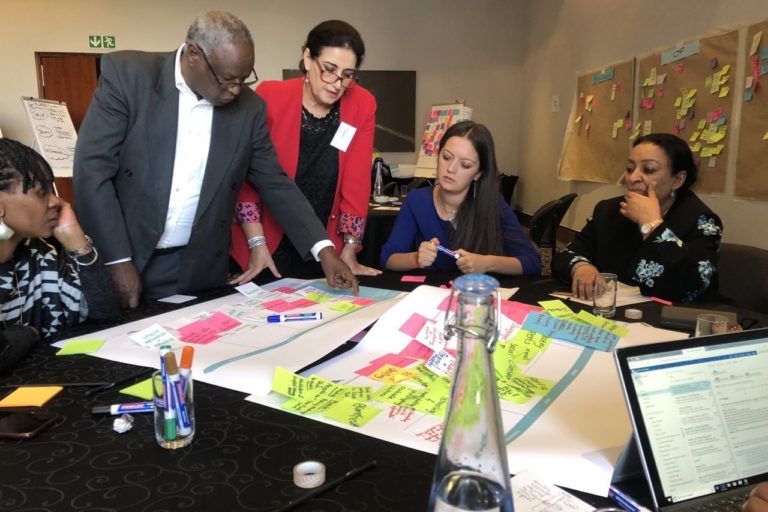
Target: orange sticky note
[[32, 396]]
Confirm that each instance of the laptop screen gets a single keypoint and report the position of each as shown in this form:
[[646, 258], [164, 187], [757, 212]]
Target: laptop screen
[[700, 411]]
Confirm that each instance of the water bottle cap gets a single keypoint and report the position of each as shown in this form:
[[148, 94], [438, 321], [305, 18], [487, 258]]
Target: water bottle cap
[[476, 285]]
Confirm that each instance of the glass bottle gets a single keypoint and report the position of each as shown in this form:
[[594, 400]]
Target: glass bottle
[[471, 473], [379, 183]]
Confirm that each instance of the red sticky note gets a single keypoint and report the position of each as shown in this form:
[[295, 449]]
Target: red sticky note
[[413, 279], [278, 306], [393, 359], [285, 289], [444, 304], [417, 350], [413, 325]]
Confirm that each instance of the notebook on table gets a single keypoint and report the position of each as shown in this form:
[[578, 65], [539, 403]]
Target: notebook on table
[[699, 409]]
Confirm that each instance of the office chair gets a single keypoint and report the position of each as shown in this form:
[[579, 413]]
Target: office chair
[[507, 184], [546, 220], [418, 183], [743, 276]]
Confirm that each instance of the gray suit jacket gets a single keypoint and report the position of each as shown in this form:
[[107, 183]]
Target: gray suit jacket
[[124, 166]]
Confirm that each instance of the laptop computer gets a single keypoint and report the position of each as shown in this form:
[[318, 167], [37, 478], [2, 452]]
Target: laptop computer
[[699, 408]]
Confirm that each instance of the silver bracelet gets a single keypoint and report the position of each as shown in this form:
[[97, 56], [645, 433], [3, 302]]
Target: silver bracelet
[[88, 264], [256, 241]]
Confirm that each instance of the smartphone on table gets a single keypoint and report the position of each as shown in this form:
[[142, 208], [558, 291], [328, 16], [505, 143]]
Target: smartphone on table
[[25, 425]]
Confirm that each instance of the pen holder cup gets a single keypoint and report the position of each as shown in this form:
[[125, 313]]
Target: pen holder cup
[[174, 419]]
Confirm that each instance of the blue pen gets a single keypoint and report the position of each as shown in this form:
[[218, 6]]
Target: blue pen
[[294, 317], [624, 500], [448, 252]]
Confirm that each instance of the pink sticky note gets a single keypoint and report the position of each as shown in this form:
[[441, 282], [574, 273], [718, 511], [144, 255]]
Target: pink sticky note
[[517, 311], [302, 303], [413, 279], [199, 337], [221, 322], [680, 67], [368, 370], [285, 289], [362, 301], [393, 359], [413, 325], [278, 306], [417, 350]]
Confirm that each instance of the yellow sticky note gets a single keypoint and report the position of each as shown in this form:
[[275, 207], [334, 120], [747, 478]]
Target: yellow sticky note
[[141, 389], [352, 412], [647, 127], [578, 119], [718, 149], [345, 307], [31, 396], [724, 79], [765, 137], [557, 308], [678, 101], [434, 402], [708, 81], [391, 374], [725, 69], [289, 384], [311, 406], [603, 323], [318, 297], [694, 136], [696, 147], [691, 93], [706, 152], [755, 42], [724, 91], [702, 124], [80, 347]]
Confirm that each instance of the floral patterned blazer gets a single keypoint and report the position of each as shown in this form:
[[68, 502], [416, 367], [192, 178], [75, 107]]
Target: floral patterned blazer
[[676, 262]]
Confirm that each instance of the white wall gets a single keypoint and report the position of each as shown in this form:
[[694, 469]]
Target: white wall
[[564, 37], [459, 49]]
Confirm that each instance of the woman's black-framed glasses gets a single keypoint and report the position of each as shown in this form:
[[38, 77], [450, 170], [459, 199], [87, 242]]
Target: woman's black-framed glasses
[[231, 83], [330, 77]]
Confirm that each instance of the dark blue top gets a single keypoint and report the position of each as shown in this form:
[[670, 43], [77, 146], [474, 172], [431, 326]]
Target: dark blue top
[[418, 221]]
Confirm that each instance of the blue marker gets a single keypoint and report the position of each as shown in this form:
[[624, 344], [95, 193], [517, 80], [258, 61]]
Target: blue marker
[[294, 317], [123, 408], [448, 252]]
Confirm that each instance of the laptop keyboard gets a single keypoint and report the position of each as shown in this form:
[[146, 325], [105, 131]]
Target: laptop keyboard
[[730, 503]]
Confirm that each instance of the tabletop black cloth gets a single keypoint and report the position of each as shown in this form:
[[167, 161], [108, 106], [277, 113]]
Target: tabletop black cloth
[[242, 455]]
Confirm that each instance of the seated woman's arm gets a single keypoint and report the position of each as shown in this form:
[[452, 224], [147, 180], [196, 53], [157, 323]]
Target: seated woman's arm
[[679, 266], [574, 266], [405, 249]]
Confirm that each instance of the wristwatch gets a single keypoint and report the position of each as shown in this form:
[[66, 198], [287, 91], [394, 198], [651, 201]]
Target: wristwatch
[[646, 228]]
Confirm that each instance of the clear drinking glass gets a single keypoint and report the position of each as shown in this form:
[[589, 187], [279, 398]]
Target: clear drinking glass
[[604, 298], [172, 430]]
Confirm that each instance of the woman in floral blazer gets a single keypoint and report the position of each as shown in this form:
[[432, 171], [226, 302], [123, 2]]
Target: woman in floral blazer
[[659, 235]]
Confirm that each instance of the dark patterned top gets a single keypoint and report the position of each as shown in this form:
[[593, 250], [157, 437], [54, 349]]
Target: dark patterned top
[[316, 172], [43, 288], [676, 262]]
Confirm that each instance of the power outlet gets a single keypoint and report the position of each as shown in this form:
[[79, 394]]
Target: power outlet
[[555, 103]]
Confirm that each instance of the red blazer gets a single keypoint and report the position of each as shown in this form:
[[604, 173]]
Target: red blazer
[[353, 186]]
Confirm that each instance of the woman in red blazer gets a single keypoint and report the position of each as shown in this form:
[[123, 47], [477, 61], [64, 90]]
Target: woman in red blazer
[[322, 127]]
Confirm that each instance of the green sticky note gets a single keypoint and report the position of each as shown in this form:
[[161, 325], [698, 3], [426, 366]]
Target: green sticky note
[[396, 394], [320, 386], [319, 297], [361, 393], [434, 402], [344, 307], [141, 389], [289, 384], [80, 347], [312, 406], [352, 412]]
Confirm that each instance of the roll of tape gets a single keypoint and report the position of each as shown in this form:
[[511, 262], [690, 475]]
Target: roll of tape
[[309, 474], [633, 314]]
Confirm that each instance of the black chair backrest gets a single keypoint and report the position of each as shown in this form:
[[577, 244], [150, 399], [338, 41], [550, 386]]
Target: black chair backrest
[[743, 276], [546, 220]]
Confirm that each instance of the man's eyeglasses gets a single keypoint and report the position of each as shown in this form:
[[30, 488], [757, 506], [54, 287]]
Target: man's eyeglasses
[[231, 83], [330, 77]]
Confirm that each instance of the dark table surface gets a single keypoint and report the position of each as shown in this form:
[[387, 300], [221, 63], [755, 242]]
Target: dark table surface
[[242, 455]]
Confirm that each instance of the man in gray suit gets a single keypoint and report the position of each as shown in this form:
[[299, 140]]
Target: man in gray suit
[[165, 146]]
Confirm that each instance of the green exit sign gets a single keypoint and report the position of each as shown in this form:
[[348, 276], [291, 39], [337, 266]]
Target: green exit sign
[[101, 41]]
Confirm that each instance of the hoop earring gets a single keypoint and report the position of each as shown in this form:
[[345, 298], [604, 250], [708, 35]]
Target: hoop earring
[[5, 232]]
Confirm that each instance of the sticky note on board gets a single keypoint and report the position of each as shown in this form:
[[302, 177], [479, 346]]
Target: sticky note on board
[[141, 389], [289, 384], [755, 42], [345, 307], [31, 396], [80, 347], [391, 374], [585, 335]]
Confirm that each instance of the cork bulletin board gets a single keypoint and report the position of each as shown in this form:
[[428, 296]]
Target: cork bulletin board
[[597, 138], [689, 90], [751, 172]]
